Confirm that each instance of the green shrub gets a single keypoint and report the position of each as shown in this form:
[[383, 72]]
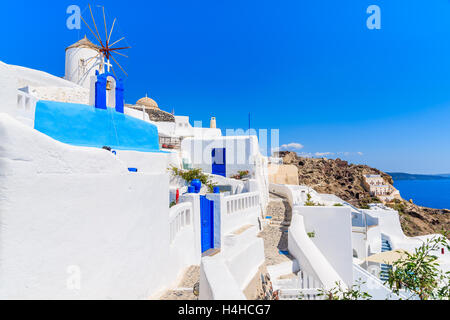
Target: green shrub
[[311, 234], [310, 203], [192, 174]]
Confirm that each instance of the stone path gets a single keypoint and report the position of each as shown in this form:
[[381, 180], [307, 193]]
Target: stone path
[[275, 235], [184, 291]]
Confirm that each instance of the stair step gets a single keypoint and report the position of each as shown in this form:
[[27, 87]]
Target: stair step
[[210, 252]]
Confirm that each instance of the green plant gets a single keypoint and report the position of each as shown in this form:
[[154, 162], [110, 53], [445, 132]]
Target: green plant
[[311, 234], [310, 203], [191, 174], [243, 173], [419, 274], [172, 204], [340, 293], [240, 175], [338, 205], [397, 205]]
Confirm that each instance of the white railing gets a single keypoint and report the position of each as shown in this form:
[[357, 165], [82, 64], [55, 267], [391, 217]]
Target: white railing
[[300, 294], [241, 202], [180, 217], [303, 286]]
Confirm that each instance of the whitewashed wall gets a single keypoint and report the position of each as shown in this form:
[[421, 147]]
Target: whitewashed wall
[[8, 89], [311, 260], [75, 224], [145, 162], [333, 236], [240, 153], [226, 275]]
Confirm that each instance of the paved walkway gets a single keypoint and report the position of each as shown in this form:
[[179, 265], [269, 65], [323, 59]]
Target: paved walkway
[[275, 235], [184, 291]]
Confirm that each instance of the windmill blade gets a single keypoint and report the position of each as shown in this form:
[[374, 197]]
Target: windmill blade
[[90, 29], [95, 25], [106, 29], [92, 57], [120, 54], [109, 38], [119, 66], [117, 41], [115, 75], [122, 48]]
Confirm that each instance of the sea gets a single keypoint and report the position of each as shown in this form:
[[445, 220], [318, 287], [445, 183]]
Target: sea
[[427, 193]]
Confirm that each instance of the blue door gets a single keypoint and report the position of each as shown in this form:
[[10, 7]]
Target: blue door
[[207, 223], [218, 162]]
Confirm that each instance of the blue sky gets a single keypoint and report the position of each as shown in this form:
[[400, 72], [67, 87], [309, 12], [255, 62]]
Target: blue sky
[[311, 69]]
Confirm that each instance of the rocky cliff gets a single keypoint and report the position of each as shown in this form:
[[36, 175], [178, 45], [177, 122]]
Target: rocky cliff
[[346, 181]]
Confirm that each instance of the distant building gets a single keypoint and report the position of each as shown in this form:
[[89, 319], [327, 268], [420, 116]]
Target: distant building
[[378, 187]]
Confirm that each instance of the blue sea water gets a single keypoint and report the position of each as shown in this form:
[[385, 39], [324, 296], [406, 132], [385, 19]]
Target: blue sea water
[[426, 193]]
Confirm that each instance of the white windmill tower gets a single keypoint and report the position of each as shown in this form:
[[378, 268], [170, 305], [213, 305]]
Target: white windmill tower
[[84, 58]]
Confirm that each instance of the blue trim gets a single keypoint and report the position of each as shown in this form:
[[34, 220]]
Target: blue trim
[[133, 169], [100, 91], [206, 223]]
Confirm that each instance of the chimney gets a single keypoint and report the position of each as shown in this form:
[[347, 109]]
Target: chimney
[[212, 123]]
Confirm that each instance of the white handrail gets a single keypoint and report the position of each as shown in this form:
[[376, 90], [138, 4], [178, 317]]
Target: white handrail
[[300, 294], [241, 202], [180, 217]]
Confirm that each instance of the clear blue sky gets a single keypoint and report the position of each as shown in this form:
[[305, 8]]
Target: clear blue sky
[[309, 68]]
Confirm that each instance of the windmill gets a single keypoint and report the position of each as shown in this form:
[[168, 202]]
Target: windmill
[[106, 48]]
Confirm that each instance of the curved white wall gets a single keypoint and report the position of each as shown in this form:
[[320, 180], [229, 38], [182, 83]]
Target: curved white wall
[[76, 215], [309, 257]]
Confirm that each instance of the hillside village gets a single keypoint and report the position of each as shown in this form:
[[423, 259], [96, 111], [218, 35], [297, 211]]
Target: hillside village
[[347, 181], [103, 199]]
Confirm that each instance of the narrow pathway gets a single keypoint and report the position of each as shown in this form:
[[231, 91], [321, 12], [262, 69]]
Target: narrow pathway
[[184, 291], [275, 235]]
